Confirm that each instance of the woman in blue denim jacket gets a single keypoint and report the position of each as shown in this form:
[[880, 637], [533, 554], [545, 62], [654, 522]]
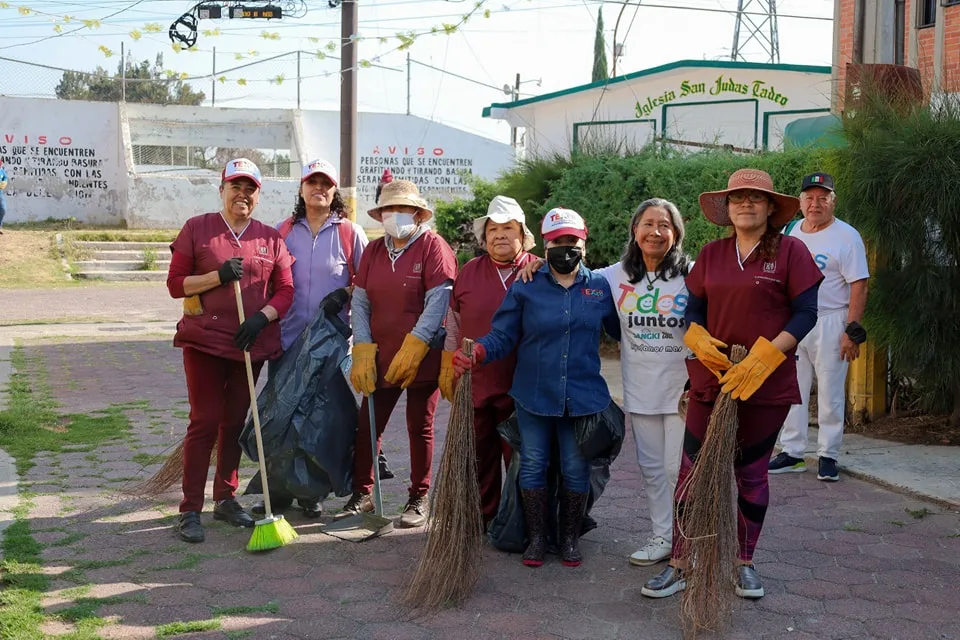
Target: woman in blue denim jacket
[[554, 324]]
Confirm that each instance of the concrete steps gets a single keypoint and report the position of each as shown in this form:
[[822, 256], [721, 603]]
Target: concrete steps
[[122, 261]]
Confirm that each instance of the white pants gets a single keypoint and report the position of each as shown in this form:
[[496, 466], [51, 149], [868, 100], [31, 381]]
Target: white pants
[[819, 352], [659, 442]]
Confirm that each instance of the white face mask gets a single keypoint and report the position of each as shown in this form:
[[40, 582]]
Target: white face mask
[[399, 225]]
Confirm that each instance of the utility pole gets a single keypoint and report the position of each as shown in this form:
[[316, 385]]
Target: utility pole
[[298, 78], [408, 83], [516, 96], [123, 74], [213, 80], [348, 106]]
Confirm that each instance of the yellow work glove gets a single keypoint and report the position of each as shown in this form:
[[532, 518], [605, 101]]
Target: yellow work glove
[[448, 377], [403, 367], [192, 306], [704, 346], [363, 373], [744, 378]]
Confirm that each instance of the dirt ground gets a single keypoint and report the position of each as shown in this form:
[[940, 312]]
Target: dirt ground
[[933, 430], [28, 260]]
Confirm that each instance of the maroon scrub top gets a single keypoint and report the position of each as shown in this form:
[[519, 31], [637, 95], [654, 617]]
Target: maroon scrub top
[[477, 295], [208, 241], [397, 291], [744, 304]]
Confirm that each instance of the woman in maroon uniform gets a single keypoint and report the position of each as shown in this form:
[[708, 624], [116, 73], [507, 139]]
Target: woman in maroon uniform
[[400, 298], [758, 289], [477, 293], [209, 254]]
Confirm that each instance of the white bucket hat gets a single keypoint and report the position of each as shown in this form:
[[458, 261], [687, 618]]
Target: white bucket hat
[[503, 209]]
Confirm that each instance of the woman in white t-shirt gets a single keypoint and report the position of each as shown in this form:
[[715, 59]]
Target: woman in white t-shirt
[[651, 298]]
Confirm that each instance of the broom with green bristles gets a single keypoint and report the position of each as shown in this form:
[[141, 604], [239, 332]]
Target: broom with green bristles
[[273, 531]]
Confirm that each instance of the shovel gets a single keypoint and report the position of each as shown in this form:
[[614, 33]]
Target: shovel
[[365, 526]]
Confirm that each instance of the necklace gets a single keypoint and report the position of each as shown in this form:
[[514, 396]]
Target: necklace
[[650, 282]]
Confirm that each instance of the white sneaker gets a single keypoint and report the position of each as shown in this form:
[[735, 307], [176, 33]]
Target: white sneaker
[[657, 550]]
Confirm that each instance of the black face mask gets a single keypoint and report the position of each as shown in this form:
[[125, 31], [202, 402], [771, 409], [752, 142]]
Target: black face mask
[[564, 259]]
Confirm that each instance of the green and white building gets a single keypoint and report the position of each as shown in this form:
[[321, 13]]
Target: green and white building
[[690, 103]]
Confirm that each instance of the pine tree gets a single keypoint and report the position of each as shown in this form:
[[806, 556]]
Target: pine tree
[[600, 51]]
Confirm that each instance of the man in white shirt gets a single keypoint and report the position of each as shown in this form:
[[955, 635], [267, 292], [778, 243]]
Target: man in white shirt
[[835, 341]]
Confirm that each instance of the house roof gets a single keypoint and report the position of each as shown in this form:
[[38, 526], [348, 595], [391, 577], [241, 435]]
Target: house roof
[[679, 64]]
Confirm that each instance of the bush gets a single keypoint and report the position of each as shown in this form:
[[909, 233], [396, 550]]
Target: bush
[[898, 182], [606, 189]]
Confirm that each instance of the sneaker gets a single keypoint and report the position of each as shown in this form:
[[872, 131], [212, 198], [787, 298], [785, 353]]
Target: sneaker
[[827, 470], [231, 511], [665, 584], [748, 582], [358, 503], [310, 508], [415, 512], [785, 463], [657, 550], [189, 527]]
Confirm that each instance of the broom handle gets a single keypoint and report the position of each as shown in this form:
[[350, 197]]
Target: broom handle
[[254, 410], [467, 347]]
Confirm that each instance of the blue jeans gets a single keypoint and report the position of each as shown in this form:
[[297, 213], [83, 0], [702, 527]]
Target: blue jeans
[[3, 208], [537, 434]]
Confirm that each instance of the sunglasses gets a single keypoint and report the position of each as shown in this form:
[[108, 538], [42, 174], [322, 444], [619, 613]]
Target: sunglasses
[[754, 196]]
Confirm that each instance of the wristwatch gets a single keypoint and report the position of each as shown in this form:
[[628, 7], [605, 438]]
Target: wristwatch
[[856, 332]]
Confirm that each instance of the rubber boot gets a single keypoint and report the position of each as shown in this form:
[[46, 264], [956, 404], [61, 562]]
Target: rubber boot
[[535, 513], [571, 518]]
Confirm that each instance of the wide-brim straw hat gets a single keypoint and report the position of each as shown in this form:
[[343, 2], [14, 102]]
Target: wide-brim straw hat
[[400, 193], [503, 209], [714, 203]]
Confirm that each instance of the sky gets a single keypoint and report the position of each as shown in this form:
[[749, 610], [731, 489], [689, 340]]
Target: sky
[[548, 42]]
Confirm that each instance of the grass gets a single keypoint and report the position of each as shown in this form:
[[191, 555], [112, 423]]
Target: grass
[[149, 260], [270, 607], [917, 514], [125, 235], [898, 523], [32, 424], [21, 611], [852, 526], [69, 539], [30, 260], [181, 628]]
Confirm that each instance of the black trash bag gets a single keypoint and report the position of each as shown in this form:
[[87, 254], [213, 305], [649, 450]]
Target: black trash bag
[[508, 530], [600, 435], [308, 418]]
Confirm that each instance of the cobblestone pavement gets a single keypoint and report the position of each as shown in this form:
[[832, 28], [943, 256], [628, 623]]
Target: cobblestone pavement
[[846, 560]]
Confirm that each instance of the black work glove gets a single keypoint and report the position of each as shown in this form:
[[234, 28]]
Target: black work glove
[[230, 270], [333, 303], [856, 333], [247, 334]]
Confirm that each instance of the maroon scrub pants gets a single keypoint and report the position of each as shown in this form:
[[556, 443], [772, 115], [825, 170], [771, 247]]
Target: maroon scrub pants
[[219, 400]]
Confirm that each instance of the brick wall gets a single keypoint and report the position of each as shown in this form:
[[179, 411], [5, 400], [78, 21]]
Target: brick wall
[[925, 41]]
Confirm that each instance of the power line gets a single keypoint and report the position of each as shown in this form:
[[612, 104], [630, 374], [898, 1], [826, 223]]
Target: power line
[[57, 35]]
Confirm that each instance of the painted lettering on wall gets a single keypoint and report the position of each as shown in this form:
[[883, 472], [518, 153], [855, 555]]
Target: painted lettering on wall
[[43, 166], [721, 86], [433, 171]]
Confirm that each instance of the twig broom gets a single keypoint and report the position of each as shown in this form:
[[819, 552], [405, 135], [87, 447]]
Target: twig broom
[[708, 523], [273, 531], [170, 474], [450, 564]]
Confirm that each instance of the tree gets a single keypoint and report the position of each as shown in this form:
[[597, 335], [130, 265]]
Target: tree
[[144, 83], [896, 181], [599, 51]]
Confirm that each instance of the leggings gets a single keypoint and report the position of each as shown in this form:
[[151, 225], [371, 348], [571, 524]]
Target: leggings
[[756, 436]]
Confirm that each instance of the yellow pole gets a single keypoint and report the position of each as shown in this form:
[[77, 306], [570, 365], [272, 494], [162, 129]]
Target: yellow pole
[[349, 195], [867, 376]]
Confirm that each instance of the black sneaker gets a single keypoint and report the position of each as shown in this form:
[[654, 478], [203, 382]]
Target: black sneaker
[[311, 508], [748, 582], [260, 509], [785, 463], [189, 527], [666, 583], [827, 470], [231, 511]]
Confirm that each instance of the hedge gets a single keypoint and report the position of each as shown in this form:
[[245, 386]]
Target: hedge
[[606, 189]]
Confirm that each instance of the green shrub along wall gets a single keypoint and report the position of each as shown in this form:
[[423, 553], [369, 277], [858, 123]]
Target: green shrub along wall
[[606, 189]]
